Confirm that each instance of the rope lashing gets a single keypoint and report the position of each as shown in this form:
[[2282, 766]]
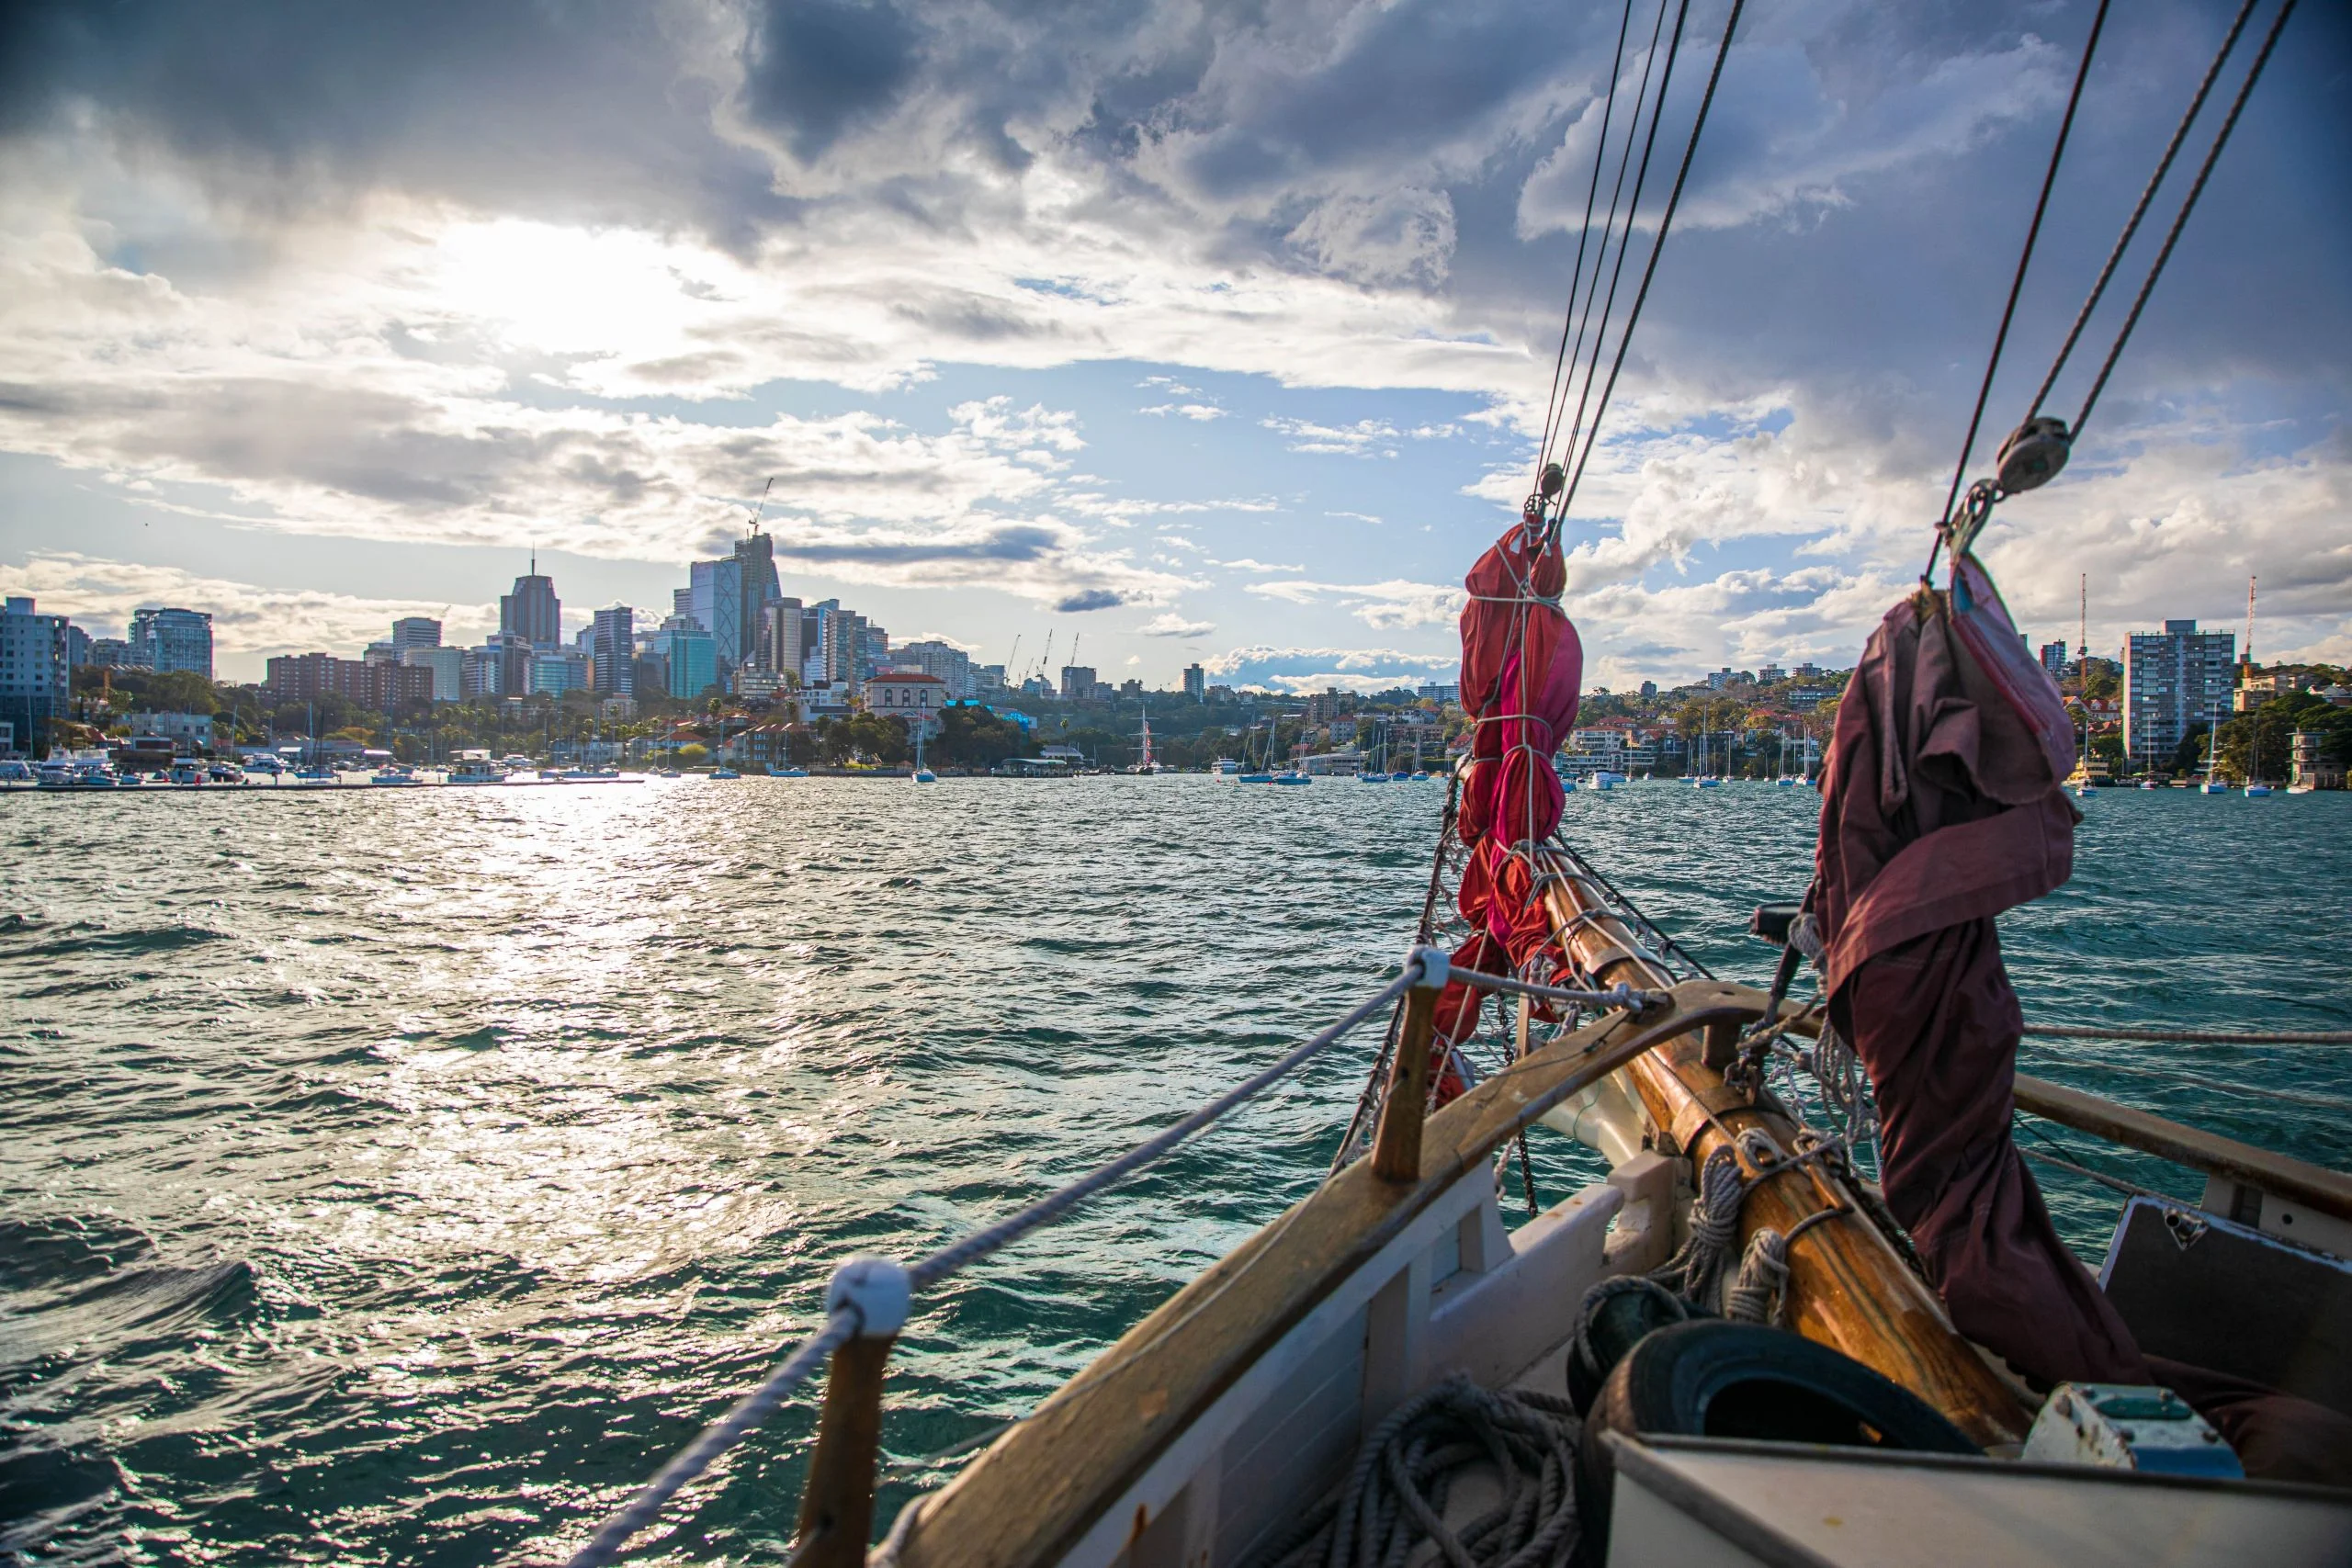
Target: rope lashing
[[850, 1301], [1395, 1494], [1697, 1268]]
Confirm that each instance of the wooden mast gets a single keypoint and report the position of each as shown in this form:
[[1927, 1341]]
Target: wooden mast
[[1848, 1288]]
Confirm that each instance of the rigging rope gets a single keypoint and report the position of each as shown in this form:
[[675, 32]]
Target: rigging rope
[[1553, 403], [2139, 211], [2017, 284], [2196, 189], [1666, 221], [2190, 1036], [1624, 241]]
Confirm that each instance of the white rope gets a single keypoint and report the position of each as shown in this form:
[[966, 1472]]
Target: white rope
[[842, 1326], [716, 1439]]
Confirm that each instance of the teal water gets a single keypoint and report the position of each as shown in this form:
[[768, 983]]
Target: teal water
[[399, 1178]]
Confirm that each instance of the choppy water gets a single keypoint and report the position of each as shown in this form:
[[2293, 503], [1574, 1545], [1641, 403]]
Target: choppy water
[[400, 1176]]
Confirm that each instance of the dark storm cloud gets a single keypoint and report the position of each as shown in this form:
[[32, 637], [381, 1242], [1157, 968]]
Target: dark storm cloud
[[586, 110], [1850, 221], [1091, 599], [816, 66]]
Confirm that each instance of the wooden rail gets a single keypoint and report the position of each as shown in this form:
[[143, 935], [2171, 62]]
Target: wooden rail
[[2316, 1187], [1846, 1287], [1039, 1488]]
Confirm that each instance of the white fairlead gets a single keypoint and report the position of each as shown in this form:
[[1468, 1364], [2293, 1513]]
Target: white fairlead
[[877, 1289], [1437, 968]]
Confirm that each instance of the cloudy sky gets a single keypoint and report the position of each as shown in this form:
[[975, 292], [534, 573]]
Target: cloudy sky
[[1191, 329]]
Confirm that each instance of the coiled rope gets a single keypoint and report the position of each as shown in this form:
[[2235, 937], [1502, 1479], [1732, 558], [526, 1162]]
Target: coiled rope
[[1395, 1494]]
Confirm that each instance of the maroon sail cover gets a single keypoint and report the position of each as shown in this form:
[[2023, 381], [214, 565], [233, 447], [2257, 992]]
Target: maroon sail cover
[[1941, 806]]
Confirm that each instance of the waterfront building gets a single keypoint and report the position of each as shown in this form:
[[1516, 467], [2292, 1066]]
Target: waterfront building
[[689, 655], [415, 631], [2173, 680], [449, 667], [908, 695], [1439, 692], [950, 664], [613, 647], [532, 611], [1078, 681], [188, 732], [1770, 675], [35, 681], [1196, 682], [111, 654], [2304, 769], [167, 640]]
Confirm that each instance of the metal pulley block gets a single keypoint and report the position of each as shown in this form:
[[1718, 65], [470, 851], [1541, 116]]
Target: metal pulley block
[[2034, 454]]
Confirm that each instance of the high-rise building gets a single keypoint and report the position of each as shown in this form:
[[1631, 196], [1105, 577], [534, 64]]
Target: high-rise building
[[615, 646], [382, 652], [682, 602], [35, 681], [943, 662], [783, 627], [449, 667], [532, 611], [756, 581], [873, 651], [1078, 681], [1196, 682], [2173, 680], [2054, 660], [716, 591], [690, 658], [415, 631], [168, 639], [111, 652]]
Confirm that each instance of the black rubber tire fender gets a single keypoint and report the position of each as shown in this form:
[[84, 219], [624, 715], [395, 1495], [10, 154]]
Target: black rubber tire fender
[[1709, 1378]]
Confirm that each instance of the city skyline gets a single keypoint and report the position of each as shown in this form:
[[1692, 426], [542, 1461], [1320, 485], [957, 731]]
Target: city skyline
[[1165, 362]]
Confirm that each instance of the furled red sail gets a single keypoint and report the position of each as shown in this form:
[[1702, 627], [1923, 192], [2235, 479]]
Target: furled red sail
[[1521, 664]]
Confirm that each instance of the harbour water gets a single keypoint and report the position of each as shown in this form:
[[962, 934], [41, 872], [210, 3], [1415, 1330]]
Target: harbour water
[[401, 1178]]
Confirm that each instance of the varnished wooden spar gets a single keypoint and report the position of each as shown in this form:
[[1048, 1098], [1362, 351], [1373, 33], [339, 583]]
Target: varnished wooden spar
[[1039, 1488], [1846, 1287]]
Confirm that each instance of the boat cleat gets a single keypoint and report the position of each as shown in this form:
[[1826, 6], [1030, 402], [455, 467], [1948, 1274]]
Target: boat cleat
[[2128, 1427]]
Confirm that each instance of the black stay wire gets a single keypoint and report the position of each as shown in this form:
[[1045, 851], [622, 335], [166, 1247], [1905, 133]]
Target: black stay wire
[[1649, 267], [1585, 322], [2147, 196], [2017, 284], [1553, 403], [2196, 189], [1626, 241]]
